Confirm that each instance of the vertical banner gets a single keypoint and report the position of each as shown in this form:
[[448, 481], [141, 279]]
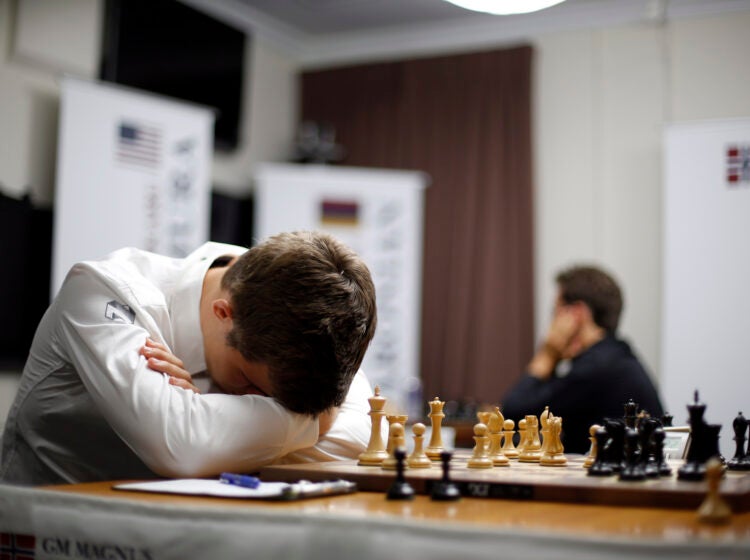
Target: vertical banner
[[379, 214], [706, 316], [133, 170]]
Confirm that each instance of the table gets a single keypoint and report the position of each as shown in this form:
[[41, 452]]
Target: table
[[92, 520]]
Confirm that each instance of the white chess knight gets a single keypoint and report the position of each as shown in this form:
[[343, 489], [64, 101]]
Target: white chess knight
[[553, 450], [532, 451]]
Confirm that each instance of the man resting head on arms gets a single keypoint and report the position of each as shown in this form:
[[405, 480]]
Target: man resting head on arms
[[280, 330]]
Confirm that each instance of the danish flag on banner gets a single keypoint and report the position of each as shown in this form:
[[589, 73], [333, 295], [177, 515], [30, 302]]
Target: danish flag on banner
[[17, 547], [738, 165]]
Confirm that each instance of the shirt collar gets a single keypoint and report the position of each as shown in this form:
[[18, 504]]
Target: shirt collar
[[184, 303]]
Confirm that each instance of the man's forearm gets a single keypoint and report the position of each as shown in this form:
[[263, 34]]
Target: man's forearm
[[543, 364]]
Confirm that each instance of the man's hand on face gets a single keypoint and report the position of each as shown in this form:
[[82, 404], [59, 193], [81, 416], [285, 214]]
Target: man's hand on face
[[162, 360], [562, 331], [559, 343]]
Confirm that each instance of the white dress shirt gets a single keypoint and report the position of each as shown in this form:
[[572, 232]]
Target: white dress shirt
[[89, 408]]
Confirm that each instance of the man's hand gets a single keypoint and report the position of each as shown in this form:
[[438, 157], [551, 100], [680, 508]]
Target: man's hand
[[558, 342], [162, 360], [563, 330], [326, 420]]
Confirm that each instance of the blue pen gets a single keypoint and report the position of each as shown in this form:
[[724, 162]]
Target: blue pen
[[244, 480]]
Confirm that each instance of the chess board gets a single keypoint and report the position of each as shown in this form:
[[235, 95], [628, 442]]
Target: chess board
[[530, 481]]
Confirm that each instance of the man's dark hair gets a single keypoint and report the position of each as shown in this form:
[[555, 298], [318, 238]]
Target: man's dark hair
[[597, 289], [304, 305]]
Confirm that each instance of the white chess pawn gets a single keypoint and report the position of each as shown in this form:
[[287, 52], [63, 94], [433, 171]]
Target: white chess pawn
[[396, 440], [593, 451], [714, 508], [509, 448], [522, 435], [479, 458], [418, 458], [495, 427], [394, 419]]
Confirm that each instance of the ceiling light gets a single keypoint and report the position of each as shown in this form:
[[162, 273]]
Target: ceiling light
[[505, 7]]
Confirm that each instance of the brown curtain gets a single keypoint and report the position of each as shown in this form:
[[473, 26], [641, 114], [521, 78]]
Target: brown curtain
[[466, 121]]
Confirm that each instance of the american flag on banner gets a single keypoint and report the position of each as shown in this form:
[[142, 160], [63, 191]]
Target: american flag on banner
[[738, 165], [139, 145], [17, 547]]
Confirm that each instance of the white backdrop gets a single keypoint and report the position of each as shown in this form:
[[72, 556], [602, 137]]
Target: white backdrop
[[133, 170], [706, 325], [379, 214]]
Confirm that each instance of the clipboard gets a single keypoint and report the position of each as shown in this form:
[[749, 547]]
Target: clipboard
[[282, 491]]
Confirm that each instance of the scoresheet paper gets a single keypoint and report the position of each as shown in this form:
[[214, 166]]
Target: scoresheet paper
[[265, 490]]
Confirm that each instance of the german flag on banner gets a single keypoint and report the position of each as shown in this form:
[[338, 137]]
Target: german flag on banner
[[738, 164], [339, 213]]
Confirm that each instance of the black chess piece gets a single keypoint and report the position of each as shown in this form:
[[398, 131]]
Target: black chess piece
[[631, 413], [712, 444], [601, 465], [616, 447], [740, 460], [445, 490], [400, 489], [633, 468], [646, 429], [666, 420], [704, 443], [658, 441]]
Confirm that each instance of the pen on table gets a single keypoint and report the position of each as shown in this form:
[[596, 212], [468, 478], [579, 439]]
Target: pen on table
[[244, 480]]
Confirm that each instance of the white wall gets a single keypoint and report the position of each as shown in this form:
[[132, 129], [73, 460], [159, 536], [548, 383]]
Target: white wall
[[602, 98], [29, 89], [42, 39], [598, 115], [269, 118]]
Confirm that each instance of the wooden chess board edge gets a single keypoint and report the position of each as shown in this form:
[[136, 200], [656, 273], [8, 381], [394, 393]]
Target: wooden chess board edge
[[586, 490]]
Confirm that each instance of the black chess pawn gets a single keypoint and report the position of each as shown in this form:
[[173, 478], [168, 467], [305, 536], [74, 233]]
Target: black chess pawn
[[400, 489], [601, 465], [631, 413], [658, 446], [445, 490], [740, 460], [712, 444], [633, 469], [616, 447], [646, 430]]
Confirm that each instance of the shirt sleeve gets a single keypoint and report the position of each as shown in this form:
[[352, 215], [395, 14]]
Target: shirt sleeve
[[174, 431], [350, 433]]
